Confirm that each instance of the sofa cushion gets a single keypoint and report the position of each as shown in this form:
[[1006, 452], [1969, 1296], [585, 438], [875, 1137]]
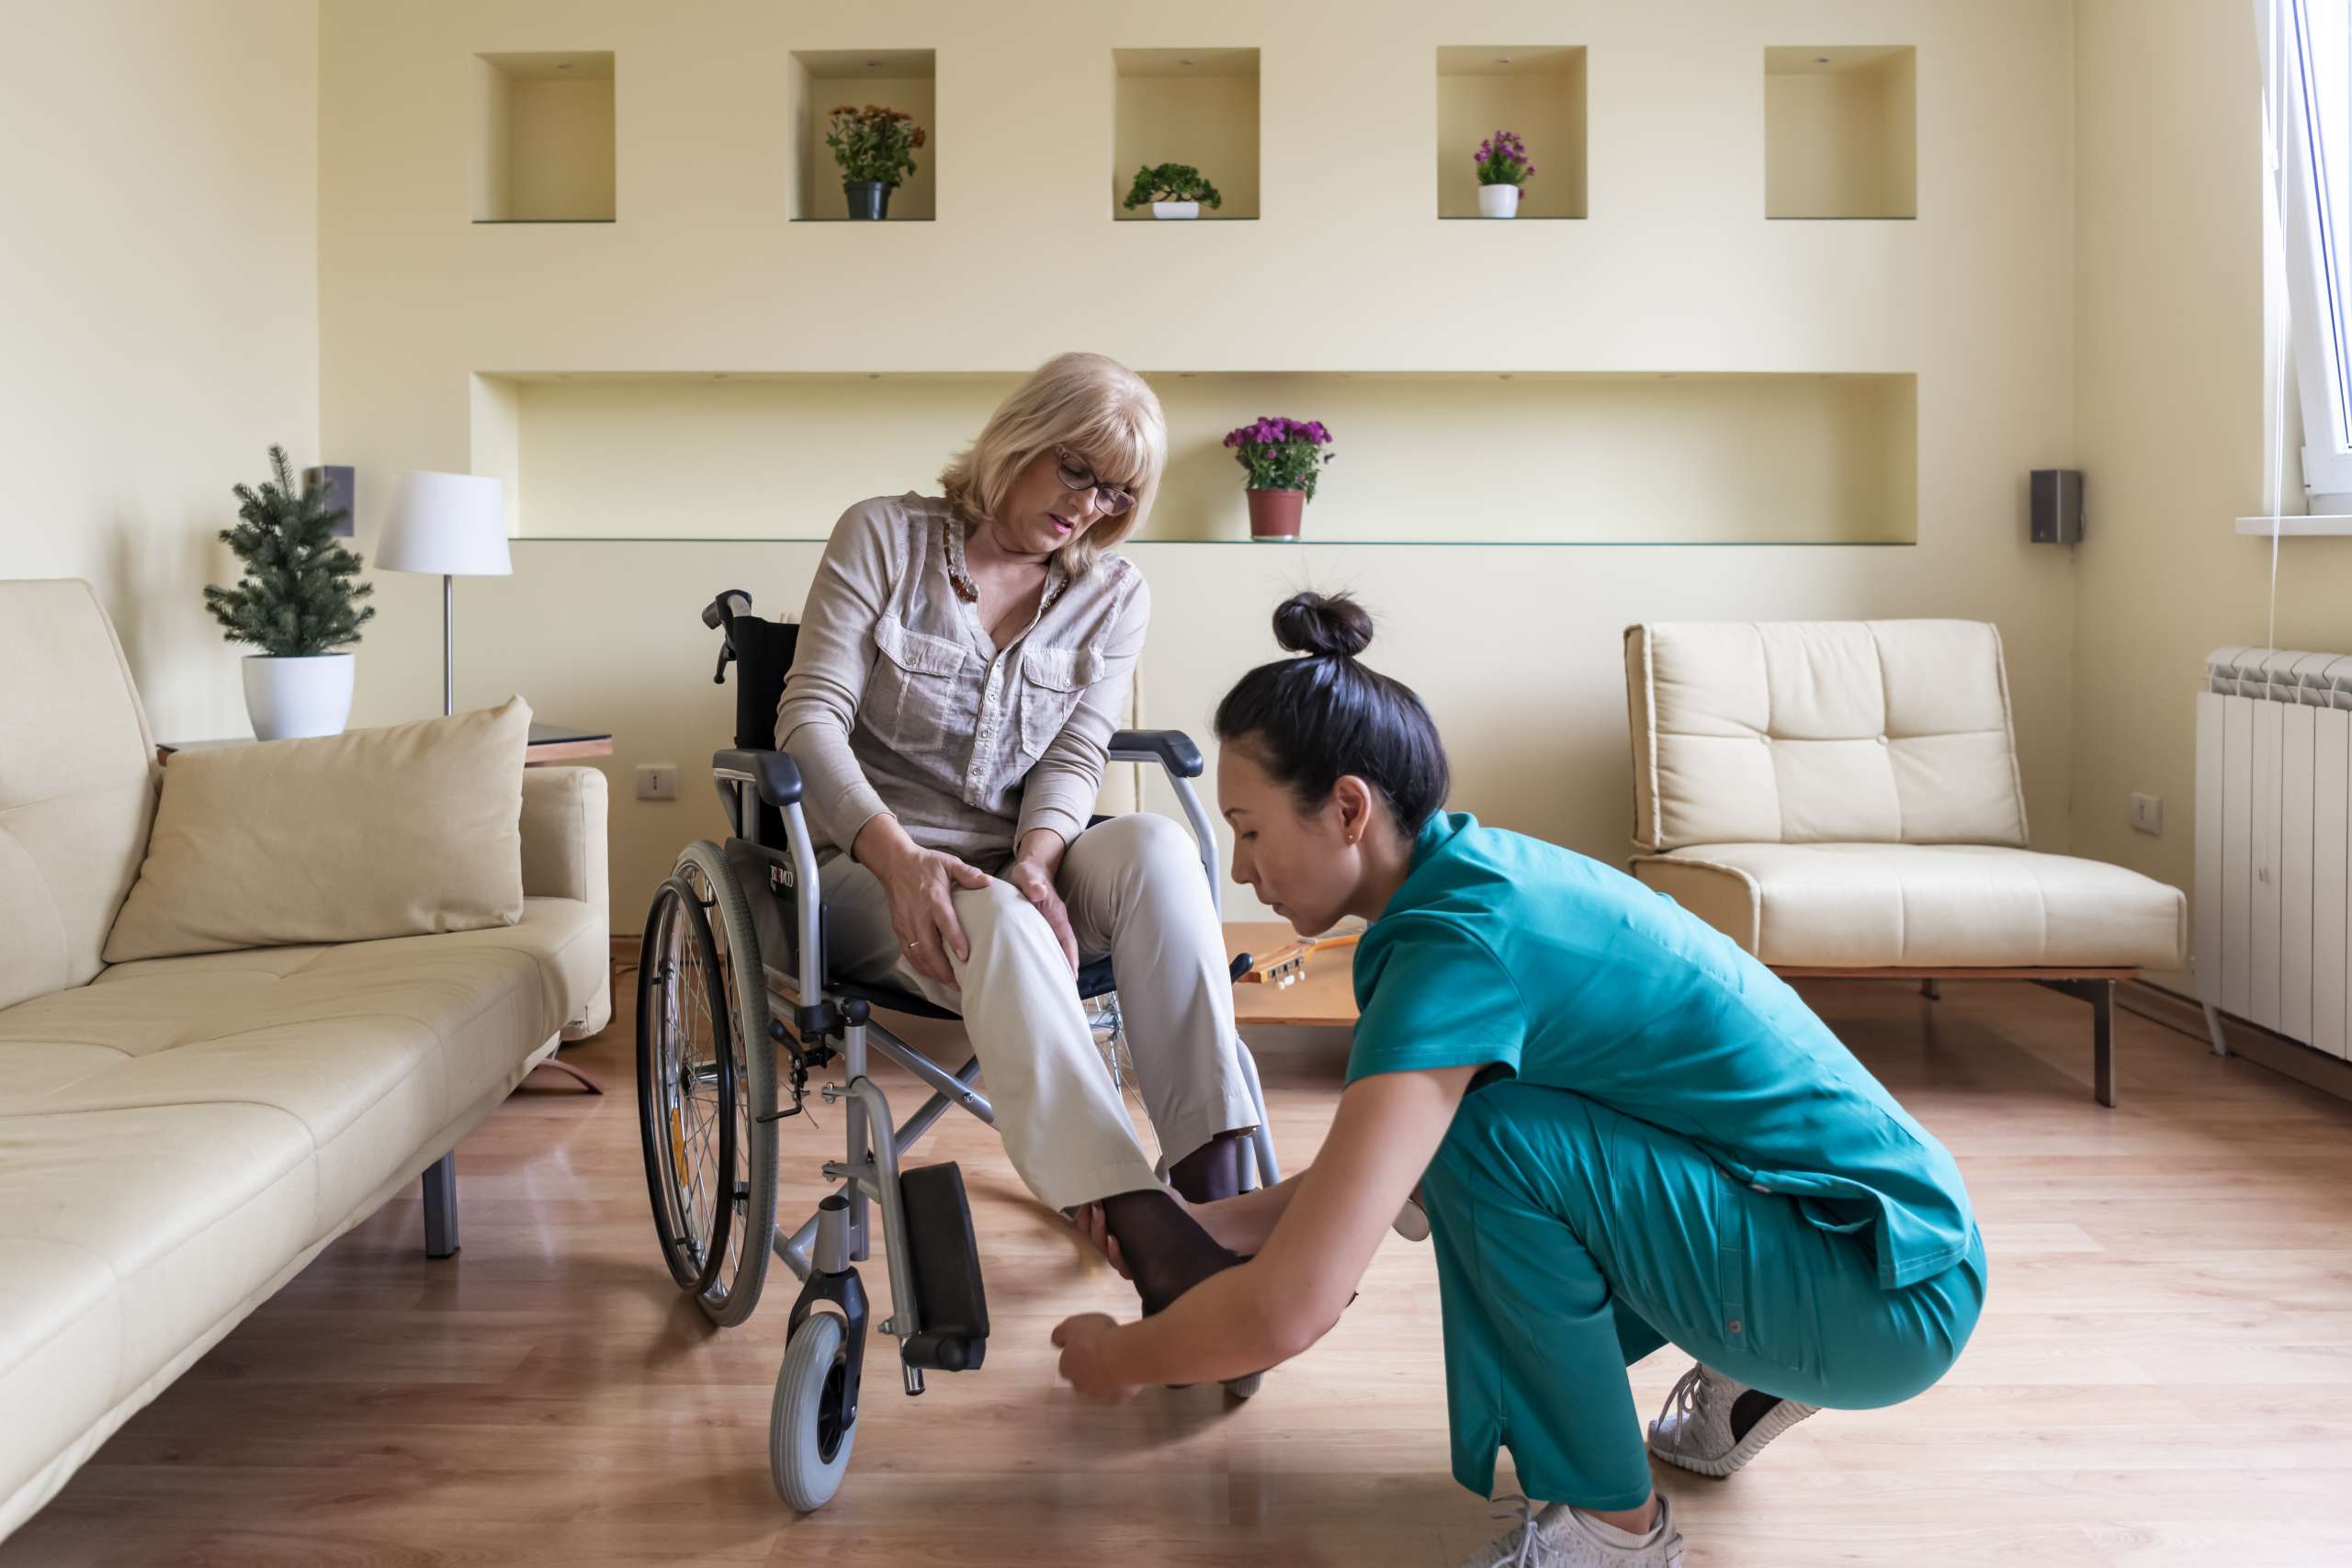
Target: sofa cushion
[[1821, 732], [76, 786], [171, 1135], [1921, 906], [357, 837]]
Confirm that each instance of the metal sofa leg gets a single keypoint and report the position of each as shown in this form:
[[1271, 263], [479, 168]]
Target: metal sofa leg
[[2101, 993], [2102, 1001], [441, 1207], [1932, 991]]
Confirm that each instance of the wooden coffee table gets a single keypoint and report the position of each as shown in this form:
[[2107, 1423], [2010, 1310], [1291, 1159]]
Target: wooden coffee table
[[1324, 995]]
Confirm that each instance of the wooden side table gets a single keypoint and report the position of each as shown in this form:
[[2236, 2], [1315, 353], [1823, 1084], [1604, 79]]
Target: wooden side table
[[1324, 995], [550, 742]]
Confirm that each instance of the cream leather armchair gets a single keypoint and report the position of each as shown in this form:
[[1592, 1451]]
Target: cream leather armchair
[[1843, 799]]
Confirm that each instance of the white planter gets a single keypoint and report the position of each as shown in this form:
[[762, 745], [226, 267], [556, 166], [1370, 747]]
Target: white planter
[[1498, 201], [1175, 210], [290, 697]]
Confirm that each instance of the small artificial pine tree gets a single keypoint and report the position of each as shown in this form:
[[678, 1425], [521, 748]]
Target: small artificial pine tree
[[296, 600]]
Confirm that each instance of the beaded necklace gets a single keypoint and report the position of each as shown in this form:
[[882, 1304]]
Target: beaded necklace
[[960, 579]]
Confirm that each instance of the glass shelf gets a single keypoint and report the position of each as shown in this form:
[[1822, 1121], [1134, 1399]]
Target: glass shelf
[[1635, 459]]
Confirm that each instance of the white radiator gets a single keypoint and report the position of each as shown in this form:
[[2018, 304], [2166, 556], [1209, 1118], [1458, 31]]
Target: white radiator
[[2274, 831]]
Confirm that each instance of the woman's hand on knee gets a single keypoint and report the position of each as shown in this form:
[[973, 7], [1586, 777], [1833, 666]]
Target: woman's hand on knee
[[1035, 882], [923, 914]]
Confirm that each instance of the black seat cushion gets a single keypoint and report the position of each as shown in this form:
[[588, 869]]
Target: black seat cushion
[[1093, 980]]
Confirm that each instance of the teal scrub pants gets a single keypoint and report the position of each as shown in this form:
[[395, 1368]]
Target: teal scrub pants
[[1573, 1241]]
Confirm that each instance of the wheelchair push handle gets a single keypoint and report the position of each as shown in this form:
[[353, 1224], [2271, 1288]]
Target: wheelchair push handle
[[720, 615]]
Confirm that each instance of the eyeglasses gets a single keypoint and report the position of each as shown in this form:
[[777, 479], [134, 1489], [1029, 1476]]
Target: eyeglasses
[[1114, 501]]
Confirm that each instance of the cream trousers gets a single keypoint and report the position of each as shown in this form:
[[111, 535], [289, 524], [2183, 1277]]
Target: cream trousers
[[1134, 889]]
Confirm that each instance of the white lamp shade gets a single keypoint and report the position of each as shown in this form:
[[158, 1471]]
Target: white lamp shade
[[447, 525]]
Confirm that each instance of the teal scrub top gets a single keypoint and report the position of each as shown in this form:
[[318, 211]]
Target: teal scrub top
[[1506, 951]]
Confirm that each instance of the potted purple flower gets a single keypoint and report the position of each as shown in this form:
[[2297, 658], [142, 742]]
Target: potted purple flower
[[1283, 457], [1502, 169]]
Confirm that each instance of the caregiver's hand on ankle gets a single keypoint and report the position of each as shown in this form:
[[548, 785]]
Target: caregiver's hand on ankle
[[1095, 1226], [919, 881], [1081, 1340]]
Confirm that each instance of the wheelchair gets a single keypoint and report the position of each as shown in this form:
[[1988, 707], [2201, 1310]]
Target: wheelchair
[[734, 1002]]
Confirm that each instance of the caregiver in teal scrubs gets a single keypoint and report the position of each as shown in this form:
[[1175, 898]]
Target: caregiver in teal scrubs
[[1624, 1131]]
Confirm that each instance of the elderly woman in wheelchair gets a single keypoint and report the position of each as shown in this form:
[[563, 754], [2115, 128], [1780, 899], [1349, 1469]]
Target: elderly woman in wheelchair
[[919, 840]]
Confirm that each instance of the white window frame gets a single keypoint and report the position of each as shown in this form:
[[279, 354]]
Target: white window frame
[[2306, 49]]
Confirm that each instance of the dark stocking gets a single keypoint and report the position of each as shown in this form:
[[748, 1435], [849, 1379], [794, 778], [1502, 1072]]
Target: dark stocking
[[1165, 1248], [1213, 1170]]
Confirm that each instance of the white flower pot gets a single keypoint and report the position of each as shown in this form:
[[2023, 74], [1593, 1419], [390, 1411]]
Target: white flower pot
[[290, 697], [1498, 201], [1175, 210]]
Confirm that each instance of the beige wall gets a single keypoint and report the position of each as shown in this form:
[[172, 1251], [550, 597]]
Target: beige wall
[[158, 308], [1516, 647], [2169, 392]]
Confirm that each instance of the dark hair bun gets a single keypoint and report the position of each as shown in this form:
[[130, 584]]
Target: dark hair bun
[[1333, 627]]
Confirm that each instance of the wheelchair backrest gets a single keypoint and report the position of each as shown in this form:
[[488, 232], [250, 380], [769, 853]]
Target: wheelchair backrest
[[762, 658], [761, 653]]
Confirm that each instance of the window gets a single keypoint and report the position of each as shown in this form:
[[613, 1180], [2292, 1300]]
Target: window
[[2307, 93]]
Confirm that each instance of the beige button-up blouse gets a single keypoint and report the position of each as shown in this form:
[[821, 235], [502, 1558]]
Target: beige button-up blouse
[[898, 701]]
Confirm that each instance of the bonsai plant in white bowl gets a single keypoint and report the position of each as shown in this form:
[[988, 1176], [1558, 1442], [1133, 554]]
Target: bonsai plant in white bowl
[[297, 604], [1174, 190], [1502, 169]]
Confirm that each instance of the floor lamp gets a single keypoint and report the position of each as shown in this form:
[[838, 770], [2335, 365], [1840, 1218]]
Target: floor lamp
[[453, 525]]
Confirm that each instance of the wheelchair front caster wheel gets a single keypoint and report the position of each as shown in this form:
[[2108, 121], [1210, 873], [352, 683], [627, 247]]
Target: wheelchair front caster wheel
[[808, 1438], [1243, 1387]]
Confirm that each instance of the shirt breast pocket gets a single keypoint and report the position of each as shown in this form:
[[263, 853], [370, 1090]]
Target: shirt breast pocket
[[1052, 681], [913, 700]]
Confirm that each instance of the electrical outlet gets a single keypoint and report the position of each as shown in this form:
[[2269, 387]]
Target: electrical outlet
[[656, 781], [2148, 813]]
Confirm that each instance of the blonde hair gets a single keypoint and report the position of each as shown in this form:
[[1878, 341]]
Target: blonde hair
[[1102, 411]]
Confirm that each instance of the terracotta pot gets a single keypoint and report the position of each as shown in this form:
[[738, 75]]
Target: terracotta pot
[[1274, 513]]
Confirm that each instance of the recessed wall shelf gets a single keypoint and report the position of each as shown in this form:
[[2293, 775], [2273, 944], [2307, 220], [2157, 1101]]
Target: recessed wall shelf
[[1841, 131], [1595, 458], [543, 138], [821, 79], [1536, 92], [1186, 106]]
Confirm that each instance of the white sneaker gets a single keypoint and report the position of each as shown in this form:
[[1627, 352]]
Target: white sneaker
[[1559, 1537], [1712, 1424]]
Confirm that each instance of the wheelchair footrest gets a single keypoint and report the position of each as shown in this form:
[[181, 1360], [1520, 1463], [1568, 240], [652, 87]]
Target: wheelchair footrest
[[945, 1352], [951, 1301]]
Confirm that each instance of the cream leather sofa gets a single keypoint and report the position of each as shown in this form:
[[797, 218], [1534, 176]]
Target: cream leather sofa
[[1843, 799], [179, 1136]]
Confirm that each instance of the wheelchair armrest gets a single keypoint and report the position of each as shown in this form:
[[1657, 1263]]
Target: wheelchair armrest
[[1171, 749], [775, 772]]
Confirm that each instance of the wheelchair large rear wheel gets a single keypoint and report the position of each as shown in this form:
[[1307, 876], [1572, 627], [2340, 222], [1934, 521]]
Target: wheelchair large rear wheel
[[706, 1087]]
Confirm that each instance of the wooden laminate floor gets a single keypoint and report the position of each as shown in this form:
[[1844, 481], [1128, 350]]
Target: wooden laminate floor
[[2164, 1375]]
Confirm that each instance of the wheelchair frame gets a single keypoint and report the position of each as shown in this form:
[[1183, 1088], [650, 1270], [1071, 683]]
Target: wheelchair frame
[[813, 1423], [743, 778]]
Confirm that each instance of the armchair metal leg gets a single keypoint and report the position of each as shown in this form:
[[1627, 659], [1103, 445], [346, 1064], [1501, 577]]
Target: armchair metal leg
[[441, 1207], [2214, 1032], [591, 1085], [2101, 993]]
